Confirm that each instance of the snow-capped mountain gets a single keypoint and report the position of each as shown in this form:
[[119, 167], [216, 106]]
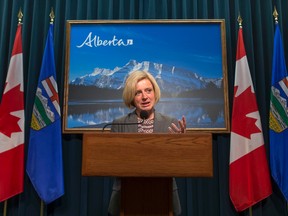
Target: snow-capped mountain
[[169, 78]]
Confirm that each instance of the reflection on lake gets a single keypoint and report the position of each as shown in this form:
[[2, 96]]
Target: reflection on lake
[[199, 113]]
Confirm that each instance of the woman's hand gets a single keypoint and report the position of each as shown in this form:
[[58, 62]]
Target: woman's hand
[[181, 128]]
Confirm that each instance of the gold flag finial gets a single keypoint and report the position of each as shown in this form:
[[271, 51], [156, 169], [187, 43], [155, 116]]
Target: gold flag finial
[[275, 14], [52, 16], [20, 16], [240, 20]]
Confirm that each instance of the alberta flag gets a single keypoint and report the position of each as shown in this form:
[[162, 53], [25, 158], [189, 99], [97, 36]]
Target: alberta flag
[[249, 177], [12, 125], [278, 118], [44, 162]]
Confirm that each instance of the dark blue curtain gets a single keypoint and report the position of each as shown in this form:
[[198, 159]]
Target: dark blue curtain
[[90, 195]]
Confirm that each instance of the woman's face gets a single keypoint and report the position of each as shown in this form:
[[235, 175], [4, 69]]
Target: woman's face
[[144, 98]]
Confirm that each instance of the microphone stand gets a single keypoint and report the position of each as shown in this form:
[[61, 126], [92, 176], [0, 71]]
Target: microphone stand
[[131, 123], [143, 116]]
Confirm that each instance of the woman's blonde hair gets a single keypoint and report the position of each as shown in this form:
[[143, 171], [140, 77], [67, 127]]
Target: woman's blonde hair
[[130, 87]]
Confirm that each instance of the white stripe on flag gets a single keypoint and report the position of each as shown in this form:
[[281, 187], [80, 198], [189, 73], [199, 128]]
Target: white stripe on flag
[[284, 86], [57, 106]]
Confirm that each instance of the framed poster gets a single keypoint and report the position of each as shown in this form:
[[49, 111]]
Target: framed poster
[[187, 58]]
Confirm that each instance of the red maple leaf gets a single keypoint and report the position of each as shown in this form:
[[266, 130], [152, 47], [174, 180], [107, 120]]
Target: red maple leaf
[[11, 101], [244, 104]]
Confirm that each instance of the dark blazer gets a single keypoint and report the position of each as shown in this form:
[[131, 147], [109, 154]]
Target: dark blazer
[[161, 124]]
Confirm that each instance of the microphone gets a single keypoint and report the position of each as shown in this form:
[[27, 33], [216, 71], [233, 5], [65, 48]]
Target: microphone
[[143, 115]]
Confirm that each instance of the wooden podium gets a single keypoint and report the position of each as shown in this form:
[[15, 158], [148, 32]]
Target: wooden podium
[[146, 164]]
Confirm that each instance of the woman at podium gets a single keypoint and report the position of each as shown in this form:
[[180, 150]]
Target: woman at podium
[[141, 93]]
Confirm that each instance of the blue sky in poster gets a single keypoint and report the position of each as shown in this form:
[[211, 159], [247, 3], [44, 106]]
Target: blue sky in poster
[[196, 47]]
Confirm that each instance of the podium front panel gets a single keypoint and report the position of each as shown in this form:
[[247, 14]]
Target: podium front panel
[[147, 155]]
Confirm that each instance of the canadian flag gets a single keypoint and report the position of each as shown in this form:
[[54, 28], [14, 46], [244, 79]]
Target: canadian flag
[[249, 177], [12, 125]]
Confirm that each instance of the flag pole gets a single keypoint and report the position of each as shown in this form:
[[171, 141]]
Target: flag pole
[[250, 211], [20, 16], [52, 16], [42, 208], [275, 14], [240, 20], [5, 208]]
